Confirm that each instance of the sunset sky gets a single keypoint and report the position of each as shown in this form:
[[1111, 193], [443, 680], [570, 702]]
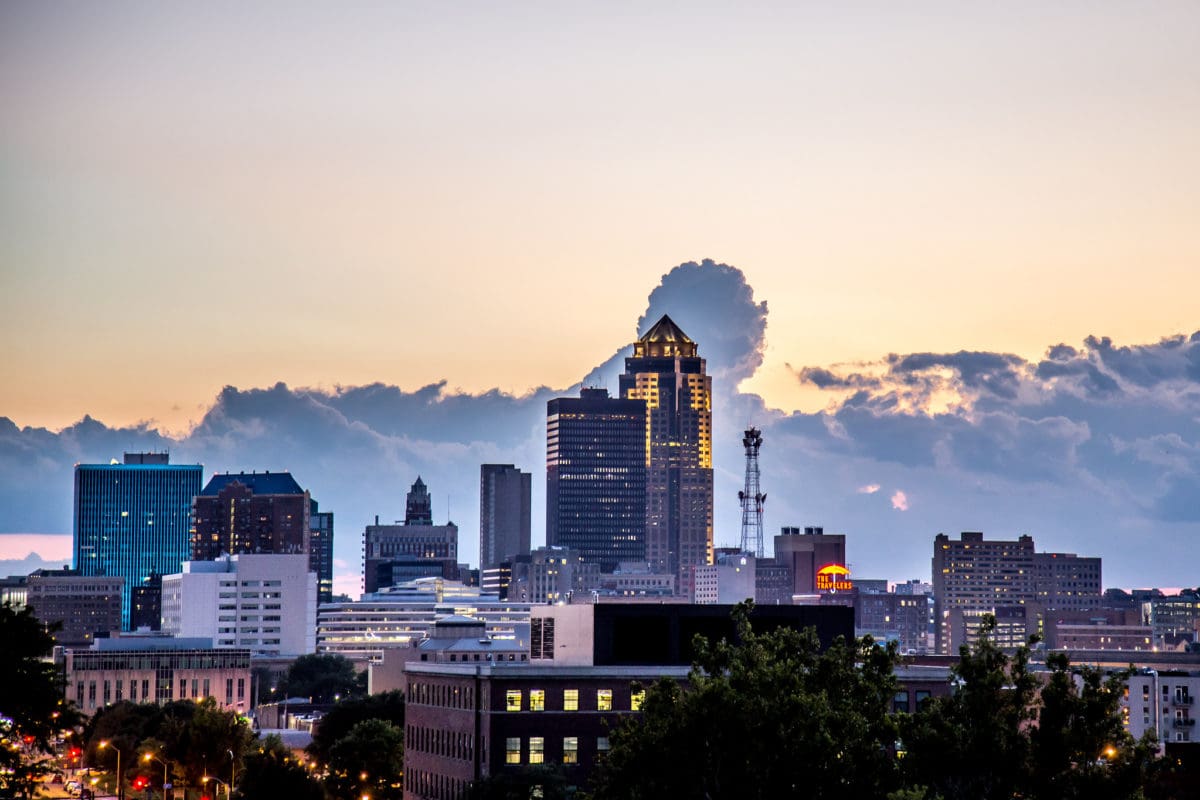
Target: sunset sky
[[195, 196]]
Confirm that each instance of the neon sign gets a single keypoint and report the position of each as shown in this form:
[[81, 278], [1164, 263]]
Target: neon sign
[[833, 578]]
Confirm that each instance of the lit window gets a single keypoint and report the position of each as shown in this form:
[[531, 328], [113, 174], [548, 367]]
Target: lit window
[[601, 744], [537, 699], [636, 699], [570, 699], [604, 699], [514, 699], [537, 750], [570, 750], [512, 750]]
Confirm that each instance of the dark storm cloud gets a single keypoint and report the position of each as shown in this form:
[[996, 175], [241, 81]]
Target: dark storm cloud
[[991, 372]]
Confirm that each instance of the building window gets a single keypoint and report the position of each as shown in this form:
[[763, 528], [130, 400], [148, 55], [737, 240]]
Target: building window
[[512, 750], [570, 749], [537, 750], [570, 699], [900, 700], [537, 699], [636, 698], [513, 697], [601, 744], [604, 699]]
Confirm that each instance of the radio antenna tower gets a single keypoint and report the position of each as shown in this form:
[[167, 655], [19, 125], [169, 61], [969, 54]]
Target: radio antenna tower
[[752, 499]]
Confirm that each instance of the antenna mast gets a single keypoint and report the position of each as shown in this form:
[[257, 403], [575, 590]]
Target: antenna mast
[[751, 498]]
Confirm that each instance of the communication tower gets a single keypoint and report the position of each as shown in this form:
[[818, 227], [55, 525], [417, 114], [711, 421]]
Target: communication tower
[[751, 497]]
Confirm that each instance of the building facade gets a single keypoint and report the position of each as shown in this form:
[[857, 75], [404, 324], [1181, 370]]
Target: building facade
[[264, 603], [596, 477], [552, 575], [83, 605], [320, 554], [504, 513], [157, 670], [259, 512], [134, 519], [805, 552], [435, 545], [667, 373]]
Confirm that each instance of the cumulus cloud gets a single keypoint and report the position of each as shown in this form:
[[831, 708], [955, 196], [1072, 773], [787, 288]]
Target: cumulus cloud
[[1094, 448]]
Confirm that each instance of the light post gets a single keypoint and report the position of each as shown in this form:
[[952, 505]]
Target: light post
[[232, 772], [120, 783], [148, 757], [228, 788]]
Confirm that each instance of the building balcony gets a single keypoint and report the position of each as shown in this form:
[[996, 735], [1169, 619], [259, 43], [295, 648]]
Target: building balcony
[[1183, 722], [1183, 700]]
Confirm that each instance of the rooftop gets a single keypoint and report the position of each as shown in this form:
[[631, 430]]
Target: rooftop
[[257, 482]]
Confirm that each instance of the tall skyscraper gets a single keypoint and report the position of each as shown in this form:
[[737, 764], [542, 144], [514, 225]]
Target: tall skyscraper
[[504, 513], [667, 372], [596, 477], [133, 519], [260, 512]]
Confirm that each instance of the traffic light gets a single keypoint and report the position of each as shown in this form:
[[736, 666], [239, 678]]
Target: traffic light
[[141, 782], [74, 753]]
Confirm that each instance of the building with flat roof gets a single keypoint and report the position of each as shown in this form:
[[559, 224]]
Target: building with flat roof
[[320, 553], [83, 605], [504, 513], [133, 520], [389, 550], [266, 603], [145, 669], [668, 374], [596, 477], [806, 552]]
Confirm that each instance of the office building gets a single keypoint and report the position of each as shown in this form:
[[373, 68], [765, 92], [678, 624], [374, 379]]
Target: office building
[[504, 513], [552, 575], [153, 669], [731, 580], [667, 373], [1066, 582], [320, 554], [891, 616], [84, 605], [133, 520], [259, 512], [416, 538], [973, 576], [596, 477], [266, 603], [815, 560], [145, 605]]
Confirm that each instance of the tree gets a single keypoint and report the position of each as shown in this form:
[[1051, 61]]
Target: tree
[[32, 711], [271, 771], [767, 716], [368, 760], [322, 676], [973, 745], [546, 781], [387, 706]]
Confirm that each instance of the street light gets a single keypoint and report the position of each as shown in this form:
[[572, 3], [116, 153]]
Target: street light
[[147, 757], [120, 784], [232, 771], [228, 788]]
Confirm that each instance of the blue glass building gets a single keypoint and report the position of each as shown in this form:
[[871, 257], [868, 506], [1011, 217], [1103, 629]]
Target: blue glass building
[[134, 519]]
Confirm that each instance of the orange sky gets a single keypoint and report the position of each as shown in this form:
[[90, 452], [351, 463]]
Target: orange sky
[[229, 195]]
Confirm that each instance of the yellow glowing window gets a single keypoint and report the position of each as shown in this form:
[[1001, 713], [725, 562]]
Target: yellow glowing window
[[512, 750], [537, 750], [537, 699], [636, 699], [513, 697], [604, 699], [570, 699]]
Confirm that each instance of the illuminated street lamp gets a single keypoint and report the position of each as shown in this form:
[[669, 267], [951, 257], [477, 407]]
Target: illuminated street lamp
[[120, 783], [148, 757], [228, 788]]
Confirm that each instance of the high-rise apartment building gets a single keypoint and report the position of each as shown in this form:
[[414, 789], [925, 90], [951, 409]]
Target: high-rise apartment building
[[262, 512], [133, 520], [596, 477], [504, 513], [320, 554], [667, 372], [973, 576]]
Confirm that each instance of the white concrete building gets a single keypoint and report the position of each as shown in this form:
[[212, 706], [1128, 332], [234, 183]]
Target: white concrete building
[[729, 581], [1163, 701], [265, 603]]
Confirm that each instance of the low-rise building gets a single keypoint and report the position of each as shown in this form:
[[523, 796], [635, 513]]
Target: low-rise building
[[157, 669], [83, 605]]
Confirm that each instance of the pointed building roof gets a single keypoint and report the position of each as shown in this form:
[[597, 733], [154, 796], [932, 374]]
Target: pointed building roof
[[665, 330], [664, 338]]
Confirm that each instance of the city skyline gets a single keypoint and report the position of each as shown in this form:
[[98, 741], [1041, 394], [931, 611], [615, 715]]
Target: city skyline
[[369, 243]]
